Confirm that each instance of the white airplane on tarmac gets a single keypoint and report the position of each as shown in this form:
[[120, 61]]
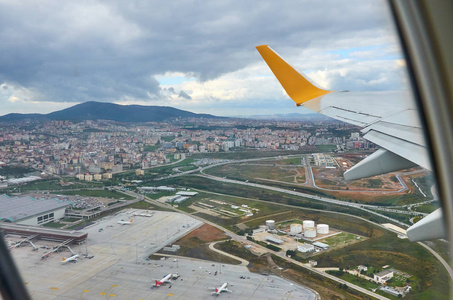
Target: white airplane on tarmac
[[223, 288], [125, 222], [72, 258], [163, 280]]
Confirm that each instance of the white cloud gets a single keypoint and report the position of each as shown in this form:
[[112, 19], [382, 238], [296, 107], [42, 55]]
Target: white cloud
[[134, 52]]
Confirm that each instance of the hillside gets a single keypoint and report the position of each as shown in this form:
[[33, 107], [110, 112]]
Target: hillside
[[110, 111]]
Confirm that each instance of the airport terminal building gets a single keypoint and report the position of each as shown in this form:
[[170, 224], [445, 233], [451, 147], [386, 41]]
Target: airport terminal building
[[26, 210]]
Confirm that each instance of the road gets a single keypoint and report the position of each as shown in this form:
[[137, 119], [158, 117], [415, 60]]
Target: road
[[356, 287], [363, 207], [311, 182], [243, 261], [443, 262], [263, 249]]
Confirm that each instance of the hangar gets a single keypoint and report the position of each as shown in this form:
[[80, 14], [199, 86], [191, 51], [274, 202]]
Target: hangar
[[31, 211], [274, 240]]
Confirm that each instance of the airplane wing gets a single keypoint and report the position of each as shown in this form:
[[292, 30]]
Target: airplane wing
[[388, 119]]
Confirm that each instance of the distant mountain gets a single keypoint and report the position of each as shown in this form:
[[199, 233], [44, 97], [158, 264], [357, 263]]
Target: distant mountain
[[289, 117], [109, 111]]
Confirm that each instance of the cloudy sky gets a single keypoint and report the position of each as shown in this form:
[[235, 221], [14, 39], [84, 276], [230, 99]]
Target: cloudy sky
[[193, 55]]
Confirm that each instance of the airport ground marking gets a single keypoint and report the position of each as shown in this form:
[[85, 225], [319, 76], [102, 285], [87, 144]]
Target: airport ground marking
[[102, 294], [54, 288]]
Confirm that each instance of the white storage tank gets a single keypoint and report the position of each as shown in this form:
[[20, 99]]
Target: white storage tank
[[310, 232], [322, 228], [295, 228], [308, 224], [270, 224]]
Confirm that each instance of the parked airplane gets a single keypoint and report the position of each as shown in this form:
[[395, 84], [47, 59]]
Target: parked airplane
[[125, 222], [163, 280], [218, 290], [72, 258]]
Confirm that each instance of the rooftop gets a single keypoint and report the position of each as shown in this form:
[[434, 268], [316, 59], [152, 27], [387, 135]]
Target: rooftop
[[184, 193], [19, 208], [305, 246], [321, 245], [274, 240], [384, 273]]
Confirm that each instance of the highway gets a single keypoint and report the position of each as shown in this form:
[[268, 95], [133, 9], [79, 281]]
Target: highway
[[310, 181], [263, 249], [363, 207]]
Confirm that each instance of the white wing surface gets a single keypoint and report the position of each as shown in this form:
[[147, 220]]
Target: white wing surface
[[388, 119]]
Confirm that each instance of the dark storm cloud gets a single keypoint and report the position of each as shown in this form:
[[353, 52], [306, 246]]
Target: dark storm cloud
[[108, 51]]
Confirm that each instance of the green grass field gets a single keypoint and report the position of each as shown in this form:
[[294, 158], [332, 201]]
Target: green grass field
[[260, 210], [53, 184], [341, 239], [151, 148], [428, 279], [168, 138], [256, 172], [427, 208], [325, 148], [249, 154], [283, 160], [354, 279]]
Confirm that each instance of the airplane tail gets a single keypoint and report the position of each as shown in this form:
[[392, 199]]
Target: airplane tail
[[63, 259], [298, 86], [158, 283], [130, 221]]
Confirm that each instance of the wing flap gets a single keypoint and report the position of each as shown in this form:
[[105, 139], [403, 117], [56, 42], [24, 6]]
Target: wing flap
[[380, 162], [410, 134], [410, 151]]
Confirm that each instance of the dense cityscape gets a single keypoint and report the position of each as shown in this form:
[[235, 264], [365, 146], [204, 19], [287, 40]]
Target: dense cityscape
[[103, 148]]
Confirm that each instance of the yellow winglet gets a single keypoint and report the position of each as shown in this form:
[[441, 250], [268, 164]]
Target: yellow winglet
[[298, 86]]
